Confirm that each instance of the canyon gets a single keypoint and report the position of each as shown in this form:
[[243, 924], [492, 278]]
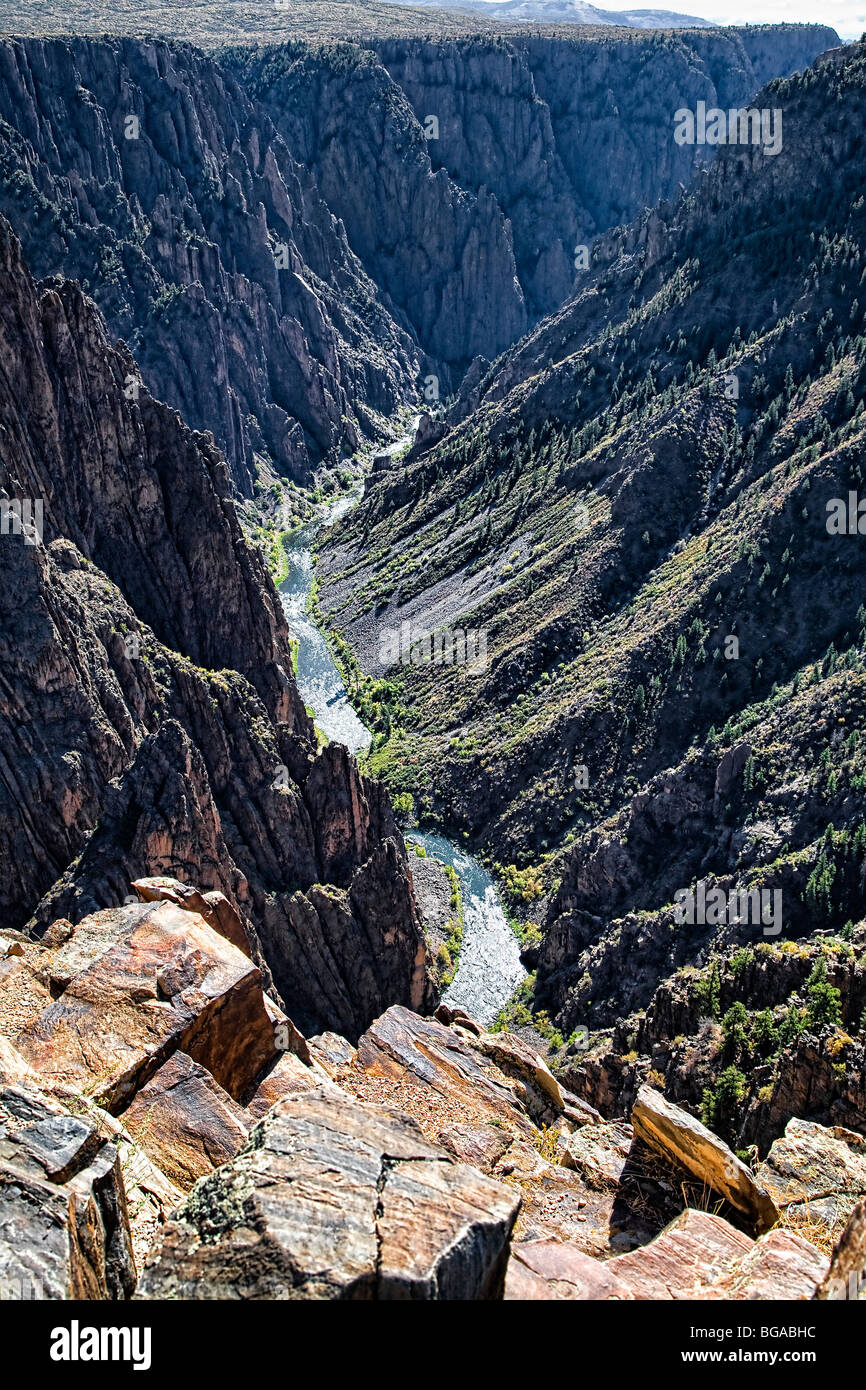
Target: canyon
[[290, 925]]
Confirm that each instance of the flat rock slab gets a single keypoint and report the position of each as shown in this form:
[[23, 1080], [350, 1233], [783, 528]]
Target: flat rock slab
[[64, 1226], [818, 1168], [337, 1201], [402, 1046], [682, 1138], [691, 1256], [780, 1265], [186, 1123], [134, 984], [548, 1269]]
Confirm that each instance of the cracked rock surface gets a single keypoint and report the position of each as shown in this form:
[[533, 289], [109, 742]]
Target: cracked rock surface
[[348, 1202]]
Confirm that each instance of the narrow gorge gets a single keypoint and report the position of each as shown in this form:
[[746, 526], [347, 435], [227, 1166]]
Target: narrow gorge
[[432, 664]]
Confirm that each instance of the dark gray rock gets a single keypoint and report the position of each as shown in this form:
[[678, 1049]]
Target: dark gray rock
[[64, 1227]]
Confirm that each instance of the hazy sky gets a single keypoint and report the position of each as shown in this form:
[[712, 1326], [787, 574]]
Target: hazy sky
[[847, 17]]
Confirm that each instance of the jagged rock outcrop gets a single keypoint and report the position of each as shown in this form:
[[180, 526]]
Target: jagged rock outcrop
[[816, 1172], [442, 254], [133, 985], [185, 1121], [150, 721], [425, 1139], [470, 226], [671, 1131], [702, 1256], [64, 1226], [143, 170], [214, 907]]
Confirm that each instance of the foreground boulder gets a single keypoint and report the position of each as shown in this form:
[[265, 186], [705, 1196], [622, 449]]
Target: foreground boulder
[[134, 984], [337, 1201], [677, 1135], [548, 1269], [64, 1227], [700, 1255]]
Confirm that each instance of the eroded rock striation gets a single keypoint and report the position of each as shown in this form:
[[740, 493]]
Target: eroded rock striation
[[150, 721], [144, 171], [158, 1139]]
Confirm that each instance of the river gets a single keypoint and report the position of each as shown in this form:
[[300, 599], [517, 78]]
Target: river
[[489, 968]]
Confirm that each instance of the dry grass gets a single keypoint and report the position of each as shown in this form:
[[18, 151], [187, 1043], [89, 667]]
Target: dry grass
[[812, 1227]]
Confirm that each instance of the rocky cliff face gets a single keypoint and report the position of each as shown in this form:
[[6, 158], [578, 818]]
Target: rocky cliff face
[[221, 231], [543, 122], [442, 254], [636, 507], [151, 722], [469, 222], [146, 173]]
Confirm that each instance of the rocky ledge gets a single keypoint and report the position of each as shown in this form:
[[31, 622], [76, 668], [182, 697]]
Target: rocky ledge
[[166, 1131]]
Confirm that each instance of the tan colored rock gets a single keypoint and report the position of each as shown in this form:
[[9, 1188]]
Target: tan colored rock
[[579, 1112], [151, 1197], [703, 1256], [23, 993], [461, 1019], [59, 931], [480, 1145], [682, 1138], [599, 1153], [845, 1280], [213, 906], [816, 1170], [288, 1076], [185, 1122], [135, 984], [14, 1071], [780, 1265], [402, 1046], [332, 1051], [548, 1269], [541, 1090], [695, 1253], [343, 1201]]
